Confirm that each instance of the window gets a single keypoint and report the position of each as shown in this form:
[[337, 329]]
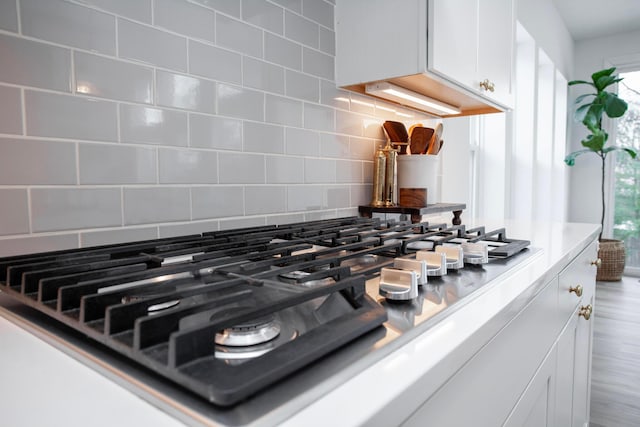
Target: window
[[627, 173]]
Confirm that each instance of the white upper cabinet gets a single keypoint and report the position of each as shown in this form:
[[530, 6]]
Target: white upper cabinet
[[459, 52], [471, 43]]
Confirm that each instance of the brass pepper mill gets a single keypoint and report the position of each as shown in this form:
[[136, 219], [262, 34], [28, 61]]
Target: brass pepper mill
[[385, 191], [379, 174], [390, 178]]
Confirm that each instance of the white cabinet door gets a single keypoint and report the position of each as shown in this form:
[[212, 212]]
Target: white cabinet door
[[453, 40], [567, 348], [574, 371], [535, 407], [495, 49], [582, 371]]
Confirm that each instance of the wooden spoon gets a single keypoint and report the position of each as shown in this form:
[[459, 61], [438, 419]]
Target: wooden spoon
[[420, 138]]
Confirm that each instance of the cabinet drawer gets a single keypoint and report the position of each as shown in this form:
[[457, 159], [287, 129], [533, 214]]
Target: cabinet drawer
[[580, 273]]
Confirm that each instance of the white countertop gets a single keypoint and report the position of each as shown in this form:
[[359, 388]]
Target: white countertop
[[51, 380]]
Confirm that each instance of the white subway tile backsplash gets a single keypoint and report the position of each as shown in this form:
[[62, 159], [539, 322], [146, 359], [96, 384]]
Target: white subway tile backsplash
[[362, 148], [363, 104], [225, 6], [32, 162], [156, 204], [151, 46], [332, 96], [152, 125], [180, 166], [230, 224], [301, 30], [263, 14], [332, 145], [180, 91], [305, 198], [263, 138], [284, 111], [241, 168], [215, 63], [75, 208], [320, 11], [65, 116], [338, 197], [215, 132], [361, 194], [185, 18], [14, 211], [302, 142], [293, 5], [373, 128], [265, 199], [367, 171], [284, 219], [282, 51], [198, 227], [317, 63], [327, 41], [217, 202], [349, 123], [320, 215], [9, 16], [317, 171], [349, 171], [236, 101], [69, 24], [118, 235], [260, 142], [238, 36], [262, 75], [106, 78], [116, 164], [40, 243], [31, 63], [10, 110], [138, 10], [285, 169], [319, 117], [302, 86]]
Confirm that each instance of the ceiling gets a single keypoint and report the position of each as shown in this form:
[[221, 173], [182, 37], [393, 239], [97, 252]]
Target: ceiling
[[587, 19]]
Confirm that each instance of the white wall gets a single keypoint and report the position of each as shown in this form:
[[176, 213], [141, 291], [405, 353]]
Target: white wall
[[134, 120], [592, 55], [543, 22]]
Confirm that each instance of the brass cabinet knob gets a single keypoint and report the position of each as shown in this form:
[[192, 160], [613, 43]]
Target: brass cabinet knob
[[597, 263], [577, 289], [585, 311], [487, 85]]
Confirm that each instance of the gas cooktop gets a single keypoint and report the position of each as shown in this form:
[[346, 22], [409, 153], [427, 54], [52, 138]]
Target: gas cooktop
[[228, 314]]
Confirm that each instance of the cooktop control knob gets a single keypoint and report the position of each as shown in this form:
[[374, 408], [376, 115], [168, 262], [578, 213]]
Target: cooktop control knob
[[436, 262], [397, 284], [454, 256], [420, 267]]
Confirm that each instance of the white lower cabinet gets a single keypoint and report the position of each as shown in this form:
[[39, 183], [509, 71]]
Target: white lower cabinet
[[536, 371]]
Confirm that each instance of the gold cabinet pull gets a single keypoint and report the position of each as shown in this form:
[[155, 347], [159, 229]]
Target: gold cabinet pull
[[487, 85], [576, 289], [585, 311], [597, 263]]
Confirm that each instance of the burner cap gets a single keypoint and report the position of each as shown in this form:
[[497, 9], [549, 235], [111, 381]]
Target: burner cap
[[249, 333]]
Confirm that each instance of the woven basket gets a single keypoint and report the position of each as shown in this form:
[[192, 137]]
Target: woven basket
[[612, 256]]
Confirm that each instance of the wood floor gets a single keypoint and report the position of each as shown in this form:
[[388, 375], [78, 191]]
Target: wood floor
[[615, 378]]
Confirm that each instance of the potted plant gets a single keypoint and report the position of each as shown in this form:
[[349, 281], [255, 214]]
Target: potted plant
[[590, 113]]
